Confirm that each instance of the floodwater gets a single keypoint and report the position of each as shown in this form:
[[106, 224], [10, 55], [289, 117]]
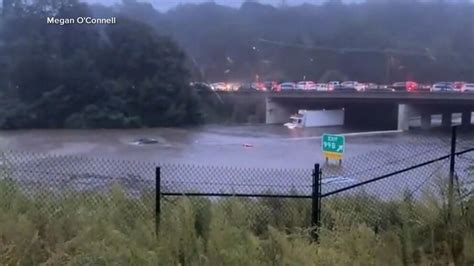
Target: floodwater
[[288, 154], [263, 146], [244, 146]]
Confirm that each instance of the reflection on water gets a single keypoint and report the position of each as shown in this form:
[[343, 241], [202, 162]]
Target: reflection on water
[[264, 157], [249, 146]]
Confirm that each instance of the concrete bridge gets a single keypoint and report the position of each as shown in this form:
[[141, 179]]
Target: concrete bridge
[[375, 110]]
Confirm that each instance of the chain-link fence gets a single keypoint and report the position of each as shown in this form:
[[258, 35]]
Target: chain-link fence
[[420, 189], [67, 175], [371, 189], [275, 197]]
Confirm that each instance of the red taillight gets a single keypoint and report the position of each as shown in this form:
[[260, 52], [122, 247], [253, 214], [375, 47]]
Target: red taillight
[[411, 86]]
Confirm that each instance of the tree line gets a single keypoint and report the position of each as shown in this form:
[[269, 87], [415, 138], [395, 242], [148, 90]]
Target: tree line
[[379, 41], [89, 76], [136, 73]]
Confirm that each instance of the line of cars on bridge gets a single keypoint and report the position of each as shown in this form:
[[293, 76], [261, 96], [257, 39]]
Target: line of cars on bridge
[[354, 86]]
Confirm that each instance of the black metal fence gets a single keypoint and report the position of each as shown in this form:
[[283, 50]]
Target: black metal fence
[[418, 171], [424, 170]]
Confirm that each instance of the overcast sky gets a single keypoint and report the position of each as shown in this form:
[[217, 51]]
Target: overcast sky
[[164, 5]]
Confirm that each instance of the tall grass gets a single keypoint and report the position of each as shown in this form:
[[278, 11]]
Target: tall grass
[[112, 229]]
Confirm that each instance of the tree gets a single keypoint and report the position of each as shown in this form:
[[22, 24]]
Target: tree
[[122, 75], [432, 40]]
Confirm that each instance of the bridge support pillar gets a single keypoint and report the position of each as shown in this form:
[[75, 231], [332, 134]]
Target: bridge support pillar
[[276, 113], [446, 119], [425, 121], [466, 119], [405, 112]]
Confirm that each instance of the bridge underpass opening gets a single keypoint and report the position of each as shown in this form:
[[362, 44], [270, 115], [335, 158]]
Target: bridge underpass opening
[[280, 113], [380, 107], [360, 116], [369, 114], [426, 117]]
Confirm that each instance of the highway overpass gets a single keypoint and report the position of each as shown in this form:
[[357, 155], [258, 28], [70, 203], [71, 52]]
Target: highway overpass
[[373, 109]]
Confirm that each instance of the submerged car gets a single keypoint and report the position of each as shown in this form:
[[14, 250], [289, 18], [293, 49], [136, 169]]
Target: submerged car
[[144, 141]]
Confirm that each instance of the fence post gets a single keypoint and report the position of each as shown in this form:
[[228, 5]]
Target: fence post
[[452, 164], [157, 199], [315, 202]]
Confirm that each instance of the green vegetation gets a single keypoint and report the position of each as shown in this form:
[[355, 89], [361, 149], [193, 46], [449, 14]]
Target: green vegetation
[[89, 76], [93, 229], [131, 75]]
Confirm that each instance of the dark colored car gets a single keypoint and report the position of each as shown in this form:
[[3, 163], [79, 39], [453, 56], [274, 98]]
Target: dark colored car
[[408, 86], [247, 87], [458, 85], [347, 86], [201, 87], [260, 86], [271, 86]]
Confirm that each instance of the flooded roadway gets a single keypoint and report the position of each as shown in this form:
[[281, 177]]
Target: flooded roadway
[[288, 155], [243, 146]]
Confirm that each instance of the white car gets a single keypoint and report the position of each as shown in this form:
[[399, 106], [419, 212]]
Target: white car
[[219, 86], [443, 87], [233, 86], [306, 85], [287, 86], [351, 86], [468, 87], [371, 86], [360, 86], [322, 87]]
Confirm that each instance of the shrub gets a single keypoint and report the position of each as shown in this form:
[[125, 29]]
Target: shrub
[[111, 228]]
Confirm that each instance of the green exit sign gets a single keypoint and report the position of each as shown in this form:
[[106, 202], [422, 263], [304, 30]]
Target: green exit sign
[[333, 144]]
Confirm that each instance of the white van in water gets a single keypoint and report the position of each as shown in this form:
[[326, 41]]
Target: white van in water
[[316, 118]]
